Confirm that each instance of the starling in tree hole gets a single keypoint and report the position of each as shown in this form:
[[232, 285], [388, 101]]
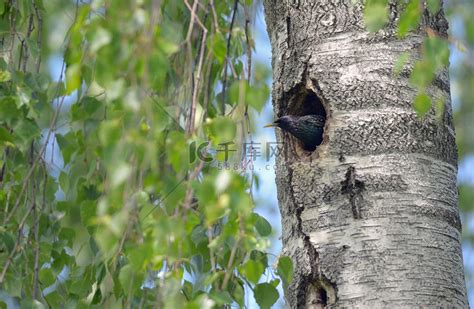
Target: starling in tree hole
[[308, 128]]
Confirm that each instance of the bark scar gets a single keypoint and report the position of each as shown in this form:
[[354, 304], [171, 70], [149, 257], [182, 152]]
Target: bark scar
[[288, 28], [313, 289], [353, 187]]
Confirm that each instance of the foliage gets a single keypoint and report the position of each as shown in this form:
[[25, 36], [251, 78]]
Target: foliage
[[435, 52], [103, 205]]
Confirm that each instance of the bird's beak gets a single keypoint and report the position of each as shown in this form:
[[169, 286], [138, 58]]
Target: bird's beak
[[271, 125]]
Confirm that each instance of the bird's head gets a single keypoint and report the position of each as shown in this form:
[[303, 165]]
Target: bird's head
[[283, 122], [307, 128]]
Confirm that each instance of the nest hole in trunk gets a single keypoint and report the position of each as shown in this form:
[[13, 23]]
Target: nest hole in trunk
[[303, 102]]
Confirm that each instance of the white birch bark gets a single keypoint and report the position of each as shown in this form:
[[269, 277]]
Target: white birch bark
[[370, 218]]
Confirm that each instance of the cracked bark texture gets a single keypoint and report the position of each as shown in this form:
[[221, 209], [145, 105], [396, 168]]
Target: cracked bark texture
[[370, 218]]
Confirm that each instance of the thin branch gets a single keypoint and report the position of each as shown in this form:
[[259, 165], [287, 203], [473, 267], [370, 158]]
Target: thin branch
[[189, 192], [208, 86], [249, 77], [197, 81], [20, 57], [229, 38], [13, 29], [229, 265], [31, 27], [249, 55], [189, 48], [193, 16], [37, 238], [214, 14], [211, 251], [4, 165], [39, 38], [36, 219]]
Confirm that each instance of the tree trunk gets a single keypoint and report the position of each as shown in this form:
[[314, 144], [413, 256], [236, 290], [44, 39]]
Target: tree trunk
[[370, 218]]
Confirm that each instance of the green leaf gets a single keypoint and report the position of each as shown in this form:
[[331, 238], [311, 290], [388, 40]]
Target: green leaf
[[88, 212], [216, 210], [439, 108], [261, 73], [436, 52], [100, 38], [106, 241], [7, 241], [120, 174], [55, 90], [5, 135], [220, 297], [13, 285], [139, 255], [257, 96], [275, 282], [46, 276], [67, 144], [127, 278], [88, 76], [8, 109], [422, 104], [33, 47], [266, 295], [109, 132], [237, 92], [259, 256], [261, 224], [177, 150], [3, 63], [238, 293], [252, 270], [409, 18], [222, 129], [31, 304], [169, 47], [402, 59], [285, 269], [375, 14], [466, 196], [73, 77], [433, 6], [219, 47], [469, 29], [26, 130], [5, 76], [422, 74], [114, 89]]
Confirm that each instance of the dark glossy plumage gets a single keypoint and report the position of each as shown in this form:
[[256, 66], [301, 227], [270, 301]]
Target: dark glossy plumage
[[308, 128]]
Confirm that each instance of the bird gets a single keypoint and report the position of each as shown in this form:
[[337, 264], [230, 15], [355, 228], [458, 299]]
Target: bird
[[307, 128]]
